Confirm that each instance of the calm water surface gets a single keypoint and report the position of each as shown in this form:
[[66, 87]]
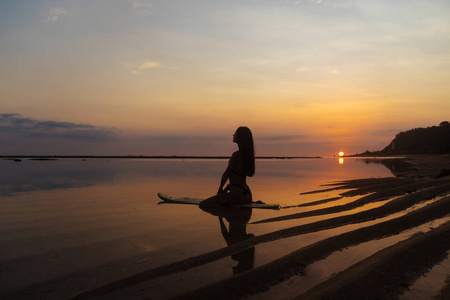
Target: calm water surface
[[71, 225]]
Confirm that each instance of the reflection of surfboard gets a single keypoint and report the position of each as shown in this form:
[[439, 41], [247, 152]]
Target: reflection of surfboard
[[196, 201]]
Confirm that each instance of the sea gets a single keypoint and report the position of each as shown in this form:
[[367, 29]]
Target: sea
[[72, 225]]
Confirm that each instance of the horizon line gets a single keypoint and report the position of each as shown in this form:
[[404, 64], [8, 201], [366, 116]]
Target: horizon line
[[149, 156]]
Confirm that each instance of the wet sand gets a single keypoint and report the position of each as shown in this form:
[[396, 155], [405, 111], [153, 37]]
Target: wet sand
[[415, 197]]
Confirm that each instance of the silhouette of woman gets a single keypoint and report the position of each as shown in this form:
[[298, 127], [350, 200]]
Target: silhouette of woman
[[236, 233], [240, 165]]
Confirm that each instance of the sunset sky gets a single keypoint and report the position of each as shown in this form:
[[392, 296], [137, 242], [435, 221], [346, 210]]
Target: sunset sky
[[177, 77]]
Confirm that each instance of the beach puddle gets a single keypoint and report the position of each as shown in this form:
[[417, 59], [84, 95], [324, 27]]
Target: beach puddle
[[338, 261], [163, 287], [267, 252], [430, 284]]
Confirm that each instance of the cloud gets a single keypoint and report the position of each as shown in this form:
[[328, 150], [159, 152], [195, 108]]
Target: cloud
[[334, 71], [56, 13], [303, 69], [147, 65], [142, 8], [15, 124], [8, 115], [279, 138], [298, 2], [27, 136]]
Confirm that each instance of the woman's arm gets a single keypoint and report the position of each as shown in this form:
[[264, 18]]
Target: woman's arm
[[223, 180]]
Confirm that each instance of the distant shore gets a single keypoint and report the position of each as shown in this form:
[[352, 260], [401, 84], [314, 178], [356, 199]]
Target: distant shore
[[48, 157]]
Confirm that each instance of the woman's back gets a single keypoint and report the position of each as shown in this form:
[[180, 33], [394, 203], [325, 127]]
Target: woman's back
[[237, 175]]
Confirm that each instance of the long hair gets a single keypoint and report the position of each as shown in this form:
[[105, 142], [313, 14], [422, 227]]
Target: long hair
[[244, 140]]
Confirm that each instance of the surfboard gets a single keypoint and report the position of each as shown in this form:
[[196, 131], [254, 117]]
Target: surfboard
[[196, 201]]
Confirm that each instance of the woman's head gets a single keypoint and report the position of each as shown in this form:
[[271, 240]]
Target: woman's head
[[244, 138]]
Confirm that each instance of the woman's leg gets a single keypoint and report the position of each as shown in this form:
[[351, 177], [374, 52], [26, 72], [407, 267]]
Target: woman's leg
[[223, 200]]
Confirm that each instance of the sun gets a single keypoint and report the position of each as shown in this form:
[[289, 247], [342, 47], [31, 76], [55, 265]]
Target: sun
[[341, 153]]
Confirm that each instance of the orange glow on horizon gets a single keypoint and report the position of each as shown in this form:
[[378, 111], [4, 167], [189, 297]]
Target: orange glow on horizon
[[341, 153]]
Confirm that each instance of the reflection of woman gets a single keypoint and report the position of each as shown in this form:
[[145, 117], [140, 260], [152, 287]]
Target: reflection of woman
[[240, 165], [236, 233]]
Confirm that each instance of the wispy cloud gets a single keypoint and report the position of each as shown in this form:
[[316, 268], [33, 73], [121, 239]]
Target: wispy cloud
[[298, 2], [334, 71], [302, 69], [56, 13], [147, 65], [279, 138], [27, 127], [141, 7]]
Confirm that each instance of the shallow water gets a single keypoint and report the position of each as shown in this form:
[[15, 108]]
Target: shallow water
[[71, 225], [425, 288]]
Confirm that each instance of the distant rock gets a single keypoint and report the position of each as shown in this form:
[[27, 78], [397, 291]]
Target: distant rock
[[13, 159], [43, 159], [431, 140]]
